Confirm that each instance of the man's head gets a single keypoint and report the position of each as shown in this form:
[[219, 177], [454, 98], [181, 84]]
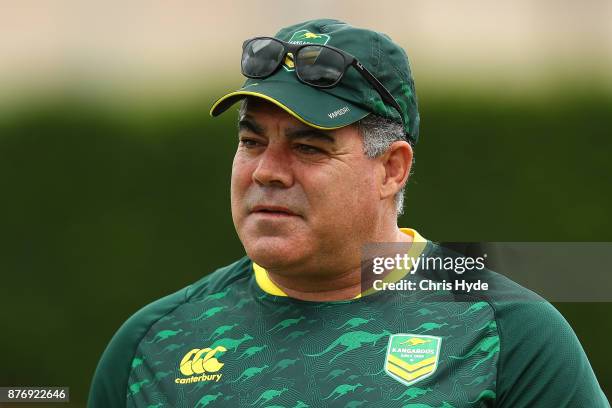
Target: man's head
[[319, 172], [307, 196]]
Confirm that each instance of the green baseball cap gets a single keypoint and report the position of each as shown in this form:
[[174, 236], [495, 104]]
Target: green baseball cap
[[353, 98]]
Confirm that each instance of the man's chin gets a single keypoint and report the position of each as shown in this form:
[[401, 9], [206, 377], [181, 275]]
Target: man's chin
[[275, 252]]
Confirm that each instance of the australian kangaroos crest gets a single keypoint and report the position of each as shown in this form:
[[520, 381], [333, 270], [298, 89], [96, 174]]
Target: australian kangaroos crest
[[412, 357]]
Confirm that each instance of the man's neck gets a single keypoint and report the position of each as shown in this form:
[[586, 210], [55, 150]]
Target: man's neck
[[340, 286]]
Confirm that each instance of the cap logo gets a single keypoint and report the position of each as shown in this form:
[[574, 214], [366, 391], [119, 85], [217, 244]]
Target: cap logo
[[303, 37], [338, 112]]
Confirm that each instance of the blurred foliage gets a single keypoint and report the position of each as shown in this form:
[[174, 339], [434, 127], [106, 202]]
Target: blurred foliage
[[104, 210]]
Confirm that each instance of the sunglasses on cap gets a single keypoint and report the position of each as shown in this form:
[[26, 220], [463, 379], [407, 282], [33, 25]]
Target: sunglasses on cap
[[317, 65]]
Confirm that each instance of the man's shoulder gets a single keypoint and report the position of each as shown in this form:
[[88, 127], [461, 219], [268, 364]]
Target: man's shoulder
[[513, 305], [219, 281], [539, 353], [523, 319], [539, 347], [111, 377]]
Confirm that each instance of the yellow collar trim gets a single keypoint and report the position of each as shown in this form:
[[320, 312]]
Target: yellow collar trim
[[267, 285]]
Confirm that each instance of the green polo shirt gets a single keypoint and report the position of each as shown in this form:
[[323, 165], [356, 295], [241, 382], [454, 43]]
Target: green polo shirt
[[234, 339]]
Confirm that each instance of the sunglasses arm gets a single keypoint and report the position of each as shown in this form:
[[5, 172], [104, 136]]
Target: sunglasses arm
[[380, 88]]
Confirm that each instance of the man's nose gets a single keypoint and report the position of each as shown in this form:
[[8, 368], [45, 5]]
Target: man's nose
[[274, 167]]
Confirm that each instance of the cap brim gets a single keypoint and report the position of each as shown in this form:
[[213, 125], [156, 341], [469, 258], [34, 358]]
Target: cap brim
[[315, 107]]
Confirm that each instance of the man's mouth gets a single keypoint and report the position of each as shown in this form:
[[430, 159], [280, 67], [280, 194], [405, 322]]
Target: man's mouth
[[273, 210]]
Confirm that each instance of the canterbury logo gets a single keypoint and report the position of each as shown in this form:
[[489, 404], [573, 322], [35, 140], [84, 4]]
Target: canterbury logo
[[198, 361]]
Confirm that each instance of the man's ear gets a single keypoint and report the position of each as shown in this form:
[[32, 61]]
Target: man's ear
[[396, 163]]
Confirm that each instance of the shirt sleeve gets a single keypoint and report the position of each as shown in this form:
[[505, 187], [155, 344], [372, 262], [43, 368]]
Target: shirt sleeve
[[109, 387], [542, 363]]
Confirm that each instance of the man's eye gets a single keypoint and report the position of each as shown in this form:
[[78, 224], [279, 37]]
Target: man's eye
[[249, 143], [308, 149]]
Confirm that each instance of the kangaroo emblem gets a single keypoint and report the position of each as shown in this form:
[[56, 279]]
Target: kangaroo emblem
[[343, 389], [415, 341]]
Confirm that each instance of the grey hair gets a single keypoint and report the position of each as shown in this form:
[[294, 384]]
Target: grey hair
[[378, 134]]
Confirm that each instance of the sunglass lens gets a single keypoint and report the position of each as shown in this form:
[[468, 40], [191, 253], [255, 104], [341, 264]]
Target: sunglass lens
[[319, 66], [261, 57]]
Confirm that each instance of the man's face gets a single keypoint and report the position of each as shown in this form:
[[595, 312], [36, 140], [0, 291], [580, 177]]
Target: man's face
[[302, 198]]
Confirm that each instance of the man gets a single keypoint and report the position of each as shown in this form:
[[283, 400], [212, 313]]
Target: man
[[326, 129]]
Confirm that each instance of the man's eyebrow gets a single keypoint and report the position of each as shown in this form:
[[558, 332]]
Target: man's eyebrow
[[310, 133], [248, 123]]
